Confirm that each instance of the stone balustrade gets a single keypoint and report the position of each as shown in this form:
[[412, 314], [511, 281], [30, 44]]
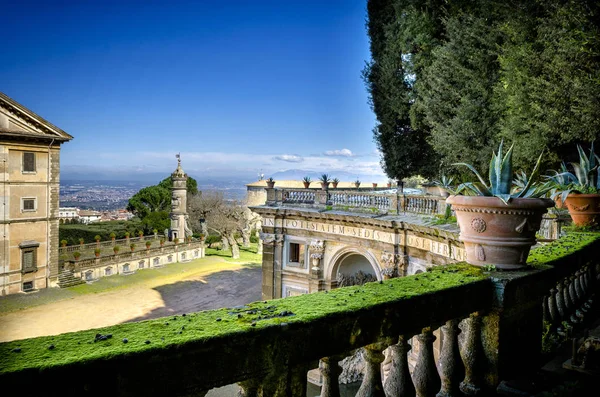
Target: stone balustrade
[[109, 243], [344, 199], [490, 330]]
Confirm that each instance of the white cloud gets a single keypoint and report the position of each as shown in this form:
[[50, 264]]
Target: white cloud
[[339, 153], [290, 158]]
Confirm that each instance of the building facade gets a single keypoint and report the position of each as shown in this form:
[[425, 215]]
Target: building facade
[[29, 194]]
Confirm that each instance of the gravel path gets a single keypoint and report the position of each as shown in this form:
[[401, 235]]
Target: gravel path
[[236, 286]]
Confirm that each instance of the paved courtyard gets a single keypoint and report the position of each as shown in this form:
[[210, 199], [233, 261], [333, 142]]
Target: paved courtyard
[[203, 284]]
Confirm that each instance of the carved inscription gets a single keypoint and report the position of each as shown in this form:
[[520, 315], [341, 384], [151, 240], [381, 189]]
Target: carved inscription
[[339, 230]]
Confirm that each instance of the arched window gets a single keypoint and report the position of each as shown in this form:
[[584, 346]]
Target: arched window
[[126, 268], [141, 264], [108, 271], [170, 258], [156, 261], [89, 275]]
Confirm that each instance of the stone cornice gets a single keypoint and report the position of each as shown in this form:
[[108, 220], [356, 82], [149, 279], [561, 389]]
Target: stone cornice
[[397, 223], [33, 120]]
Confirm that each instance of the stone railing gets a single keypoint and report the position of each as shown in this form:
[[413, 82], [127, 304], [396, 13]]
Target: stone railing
[[267, 347], [355, 199], [110, 243], [552, 225], [90, 263]]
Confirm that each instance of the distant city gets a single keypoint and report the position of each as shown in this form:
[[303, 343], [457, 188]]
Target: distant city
[[113, 195]]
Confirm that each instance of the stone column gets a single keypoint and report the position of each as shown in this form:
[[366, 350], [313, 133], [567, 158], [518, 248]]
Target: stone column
[[277, 265], [268, 265], [316, 251]]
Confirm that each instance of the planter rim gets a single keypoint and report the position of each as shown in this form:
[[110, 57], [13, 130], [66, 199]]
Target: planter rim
[[495, 202], [592, 195]]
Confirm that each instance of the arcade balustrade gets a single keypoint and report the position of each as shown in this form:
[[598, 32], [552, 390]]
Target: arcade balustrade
[[340, 199], [490, 330]]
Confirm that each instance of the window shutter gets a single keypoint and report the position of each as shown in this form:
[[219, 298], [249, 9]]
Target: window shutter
[[29, 162], [28, 261]]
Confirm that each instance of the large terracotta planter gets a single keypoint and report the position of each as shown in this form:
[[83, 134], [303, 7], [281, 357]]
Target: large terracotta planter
[[584, 209], [495, 233]]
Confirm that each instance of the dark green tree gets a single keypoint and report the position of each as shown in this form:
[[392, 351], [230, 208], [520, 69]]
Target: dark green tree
[[158, 220], [549, 85], [149, 199], [405, 150]]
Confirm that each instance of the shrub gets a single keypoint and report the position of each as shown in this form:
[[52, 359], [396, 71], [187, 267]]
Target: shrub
[[63, 242], [97, 238], [76, 254], [113, 235], [116, 249]]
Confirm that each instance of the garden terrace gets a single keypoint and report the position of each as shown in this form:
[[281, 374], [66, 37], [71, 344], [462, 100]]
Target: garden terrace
[[268, 346]]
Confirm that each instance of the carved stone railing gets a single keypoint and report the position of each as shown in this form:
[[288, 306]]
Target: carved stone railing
[[490, 325], [341, 199], [110, 243], [91, 263], [298, 196]]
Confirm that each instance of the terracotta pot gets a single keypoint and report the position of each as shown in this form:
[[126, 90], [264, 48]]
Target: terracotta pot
[[389, 185], [270, 185], [374, 185], [584, 209], [306, 184], [443, 192], [334, 184], [495, 233], [324, 186]]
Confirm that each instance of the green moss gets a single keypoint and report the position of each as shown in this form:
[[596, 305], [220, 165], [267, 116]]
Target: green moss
[[542, 256], [167, 332]]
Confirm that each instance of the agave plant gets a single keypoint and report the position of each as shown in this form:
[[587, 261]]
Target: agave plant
[[585, 180], [501, 180], [307, 179], [446, 183], [325, 178]]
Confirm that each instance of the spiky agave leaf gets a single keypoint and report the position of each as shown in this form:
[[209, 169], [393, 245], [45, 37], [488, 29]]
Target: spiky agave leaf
[[534, 175], [505, 173], [478, 188], [469, 166]]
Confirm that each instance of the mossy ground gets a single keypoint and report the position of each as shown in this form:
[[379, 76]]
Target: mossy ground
[[543, 255], [169, 331]]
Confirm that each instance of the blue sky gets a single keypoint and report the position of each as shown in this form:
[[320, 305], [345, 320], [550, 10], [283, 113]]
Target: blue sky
[[235, 86]]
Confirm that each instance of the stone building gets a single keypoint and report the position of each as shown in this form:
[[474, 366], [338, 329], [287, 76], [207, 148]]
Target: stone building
[[30, 167]]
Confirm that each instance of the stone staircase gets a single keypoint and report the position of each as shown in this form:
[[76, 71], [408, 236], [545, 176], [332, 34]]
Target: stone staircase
[[67, 279]]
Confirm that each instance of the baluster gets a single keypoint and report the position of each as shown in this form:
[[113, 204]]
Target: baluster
[[330, 371], [371, 385], [398, 382], [570, 306], [578, 287], [545, 310], [451, 368], [425, 376], [560, 305], [470, 354], [289, 382]]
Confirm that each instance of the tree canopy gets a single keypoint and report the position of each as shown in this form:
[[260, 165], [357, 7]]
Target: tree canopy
[[449, 79]]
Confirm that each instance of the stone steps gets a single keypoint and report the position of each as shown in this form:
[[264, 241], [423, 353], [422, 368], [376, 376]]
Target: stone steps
[[67, 279]]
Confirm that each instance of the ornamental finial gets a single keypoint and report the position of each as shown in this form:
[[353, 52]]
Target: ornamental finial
[[178, 156]]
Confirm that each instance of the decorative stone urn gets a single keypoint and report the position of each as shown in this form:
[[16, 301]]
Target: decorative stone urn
[[495, 233], [584, 209]]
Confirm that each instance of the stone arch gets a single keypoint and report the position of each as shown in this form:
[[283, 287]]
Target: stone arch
[[343, 254]]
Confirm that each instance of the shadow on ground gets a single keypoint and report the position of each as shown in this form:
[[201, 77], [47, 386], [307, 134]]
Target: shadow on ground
[[223, 289]]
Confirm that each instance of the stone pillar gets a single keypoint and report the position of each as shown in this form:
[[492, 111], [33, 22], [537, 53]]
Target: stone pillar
[[268, 264], [316, 251], [277, 265], [179, 228]]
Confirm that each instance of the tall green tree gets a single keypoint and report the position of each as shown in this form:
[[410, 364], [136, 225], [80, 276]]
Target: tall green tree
[[449, 79], [405, 150], [149, 199], [549, 85]]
